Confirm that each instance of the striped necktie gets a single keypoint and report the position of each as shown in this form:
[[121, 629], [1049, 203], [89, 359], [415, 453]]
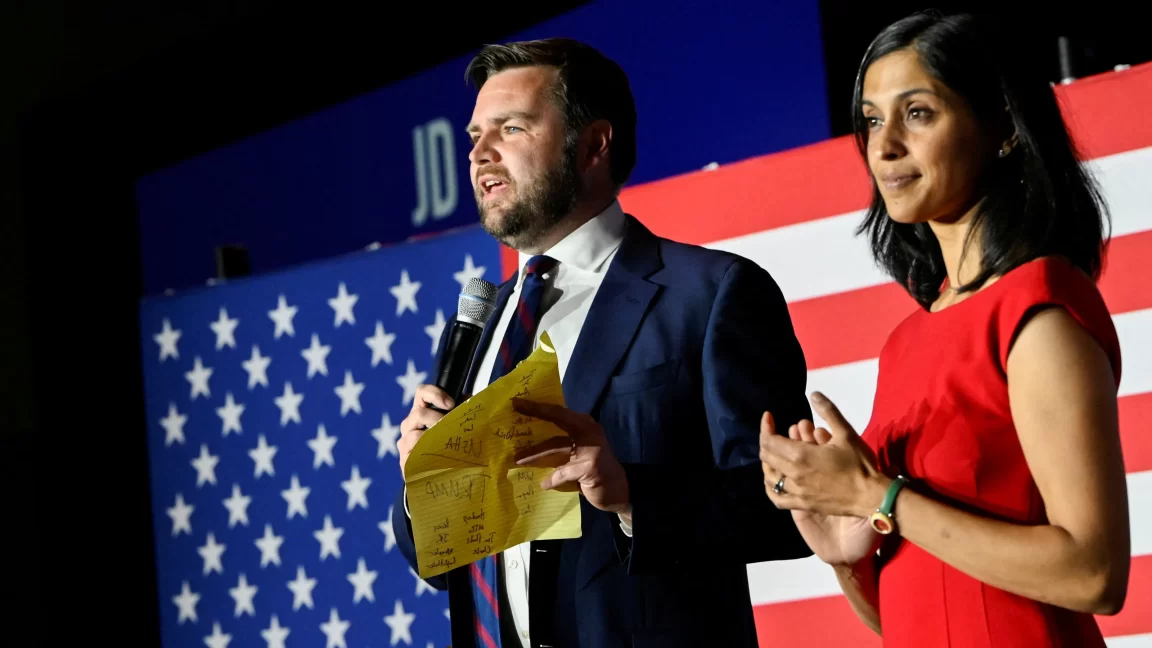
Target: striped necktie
[[516, 345]]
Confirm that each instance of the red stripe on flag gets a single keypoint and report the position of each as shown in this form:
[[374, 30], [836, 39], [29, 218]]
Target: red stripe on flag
[[848, 326], [1127, 269], [1107, 113], [754, 195], [826, 622], [1135, 412], [829, 622], [1136, 617], [509, 260]]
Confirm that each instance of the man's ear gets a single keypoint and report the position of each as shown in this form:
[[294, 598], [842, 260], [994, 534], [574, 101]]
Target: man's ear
[[595, 144]]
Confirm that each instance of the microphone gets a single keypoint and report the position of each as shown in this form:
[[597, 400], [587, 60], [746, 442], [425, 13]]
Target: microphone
[[475, 307]]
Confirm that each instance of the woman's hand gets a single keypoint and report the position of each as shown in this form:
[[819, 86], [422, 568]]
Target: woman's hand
[[828, 476]]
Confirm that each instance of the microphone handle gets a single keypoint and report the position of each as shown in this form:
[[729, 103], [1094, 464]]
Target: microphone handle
[[463, 339]]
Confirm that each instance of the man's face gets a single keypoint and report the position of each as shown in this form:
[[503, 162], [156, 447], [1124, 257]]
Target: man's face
[[523, 171]]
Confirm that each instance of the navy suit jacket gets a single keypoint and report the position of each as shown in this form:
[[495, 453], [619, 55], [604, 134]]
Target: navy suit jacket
[[683, 350]]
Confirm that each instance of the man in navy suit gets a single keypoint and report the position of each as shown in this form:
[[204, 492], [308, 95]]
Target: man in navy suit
[[669, 355]]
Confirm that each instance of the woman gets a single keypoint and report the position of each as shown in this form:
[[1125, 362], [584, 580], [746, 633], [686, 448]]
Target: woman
[[985, 504]]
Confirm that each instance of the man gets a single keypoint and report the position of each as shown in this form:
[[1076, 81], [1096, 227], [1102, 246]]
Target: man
[[668, 355]]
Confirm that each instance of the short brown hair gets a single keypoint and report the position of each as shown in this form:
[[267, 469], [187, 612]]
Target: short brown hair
[[589, 86]]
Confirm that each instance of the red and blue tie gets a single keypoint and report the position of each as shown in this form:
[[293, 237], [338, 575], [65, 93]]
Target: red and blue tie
[[517, 344]]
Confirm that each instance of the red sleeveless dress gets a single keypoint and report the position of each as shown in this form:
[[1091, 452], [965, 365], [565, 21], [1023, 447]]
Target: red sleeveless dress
[[941, 418]]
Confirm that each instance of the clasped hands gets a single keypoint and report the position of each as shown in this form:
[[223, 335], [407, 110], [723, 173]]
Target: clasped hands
[[830, 480], [583, 460]]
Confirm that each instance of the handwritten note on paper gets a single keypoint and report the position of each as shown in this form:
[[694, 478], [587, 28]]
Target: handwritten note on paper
[[467, 497]]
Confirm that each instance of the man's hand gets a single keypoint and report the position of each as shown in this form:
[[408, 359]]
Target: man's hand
[[591, 464], [421, 418]]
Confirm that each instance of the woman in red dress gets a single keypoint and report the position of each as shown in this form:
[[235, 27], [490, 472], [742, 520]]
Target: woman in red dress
[[985, 504]]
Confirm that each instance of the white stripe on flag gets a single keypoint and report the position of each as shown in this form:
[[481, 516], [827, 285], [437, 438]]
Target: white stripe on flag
[[1130, 641], [790, 580], [824, 256], [812, 259], [852, 386], [1123, 180], [1140, 512], [1135, 332]]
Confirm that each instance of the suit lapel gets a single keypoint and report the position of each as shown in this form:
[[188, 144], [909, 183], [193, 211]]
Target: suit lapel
[[614, 317]]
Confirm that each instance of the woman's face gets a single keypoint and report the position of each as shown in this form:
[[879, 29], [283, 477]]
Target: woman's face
[[925, 146]]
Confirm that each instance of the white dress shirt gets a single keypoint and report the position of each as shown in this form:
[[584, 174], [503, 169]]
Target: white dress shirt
[[584, 257]]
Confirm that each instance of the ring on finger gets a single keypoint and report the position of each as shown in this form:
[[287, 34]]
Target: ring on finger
[[779, 487]]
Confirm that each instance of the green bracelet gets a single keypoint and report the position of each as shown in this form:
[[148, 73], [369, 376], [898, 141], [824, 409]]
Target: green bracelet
[[882, 520]]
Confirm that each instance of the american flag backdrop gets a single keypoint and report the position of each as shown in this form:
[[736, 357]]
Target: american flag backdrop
[[273, 403], [274, 406]]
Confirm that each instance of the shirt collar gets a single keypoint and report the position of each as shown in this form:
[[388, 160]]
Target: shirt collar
[[590, 245]]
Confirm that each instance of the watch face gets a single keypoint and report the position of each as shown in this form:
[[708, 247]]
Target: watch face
[[881, 523]]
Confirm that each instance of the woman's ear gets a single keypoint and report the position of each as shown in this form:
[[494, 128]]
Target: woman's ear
[[1010, 143]]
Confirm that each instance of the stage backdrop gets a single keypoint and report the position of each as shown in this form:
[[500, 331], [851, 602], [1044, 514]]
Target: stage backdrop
[[394, 163], [273, 402]]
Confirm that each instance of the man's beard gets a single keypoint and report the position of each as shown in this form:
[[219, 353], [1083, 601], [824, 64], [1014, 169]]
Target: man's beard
[[542, 203]]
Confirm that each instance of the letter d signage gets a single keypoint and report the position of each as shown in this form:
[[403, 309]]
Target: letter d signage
[[435, 156]]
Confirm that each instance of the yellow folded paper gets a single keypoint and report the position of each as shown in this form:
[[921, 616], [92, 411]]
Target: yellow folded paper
[[466, 495]]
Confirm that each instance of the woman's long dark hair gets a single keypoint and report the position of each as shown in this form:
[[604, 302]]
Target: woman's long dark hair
[[1037, 201]]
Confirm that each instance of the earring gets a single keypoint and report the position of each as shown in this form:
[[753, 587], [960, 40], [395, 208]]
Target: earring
[[1003, 151]]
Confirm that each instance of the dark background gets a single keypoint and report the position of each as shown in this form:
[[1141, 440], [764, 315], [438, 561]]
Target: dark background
[[94, 96]]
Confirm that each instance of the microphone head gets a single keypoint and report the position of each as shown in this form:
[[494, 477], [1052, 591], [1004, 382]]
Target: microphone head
[[485, 290], [477, 302]]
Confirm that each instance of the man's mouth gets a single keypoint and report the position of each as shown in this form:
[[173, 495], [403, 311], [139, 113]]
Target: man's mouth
[[492, 186]]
